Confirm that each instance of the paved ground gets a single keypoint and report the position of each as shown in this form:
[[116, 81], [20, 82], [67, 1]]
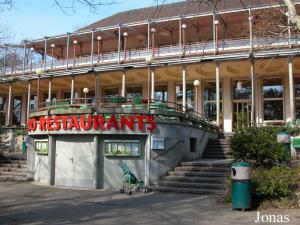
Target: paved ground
[[23, 203]]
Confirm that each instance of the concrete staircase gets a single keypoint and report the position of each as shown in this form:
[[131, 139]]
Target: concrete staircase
[[13, 168], [203, 176]]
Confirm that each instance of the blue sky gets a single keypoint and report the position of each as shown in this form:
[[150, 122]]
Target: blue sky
[[32, 19]]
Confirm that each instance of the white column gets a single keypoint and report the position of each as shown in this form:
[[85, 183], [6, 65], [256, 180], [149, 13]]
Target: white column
[[123, 83], [253, 91], [9, 105], [291, 89], [147, 161], [72, 89], [200, 98], [28, 99], [218, 92], [184, 88], [50, 89], [227, 102], [152, 84]]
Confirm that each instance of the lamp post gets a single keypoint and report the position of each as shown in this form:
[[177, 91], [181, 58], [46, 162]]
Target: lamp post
[[39, 73], [52, 55], [149, 60], [99, 39], [196, 84], [183, 27], [31, 57], [125, 34], [216, 23], [153, 41], [85, 91], [75, 42]]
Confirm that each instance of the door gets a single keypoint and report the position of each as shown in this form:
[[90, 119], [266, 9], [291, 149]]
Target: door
[[241, 113], [74, 165]]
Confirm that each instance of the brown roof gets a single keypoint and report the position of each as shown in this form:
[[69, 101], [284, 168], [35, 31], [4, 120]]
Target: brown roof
[[175, 9]]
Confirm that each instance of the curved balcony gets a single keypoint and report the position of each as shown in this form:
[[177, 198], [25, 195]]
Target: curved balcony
[[124, 106]]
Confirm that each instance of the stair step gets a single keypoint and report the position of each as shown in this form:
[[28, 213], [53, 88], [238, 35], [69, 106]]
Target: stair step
[[217, 157], [190, 184], [199, 174], [209, 162], [12, 161], [204, 191], [8, 169], [13, 178], [13, 165], [194, 179], [13, 173], [199, 168]]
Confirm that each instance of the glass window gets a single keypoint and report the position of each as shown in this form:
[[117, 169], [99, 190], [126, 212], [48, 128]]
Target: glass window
[[110, 93], [33, 102], [297, 96], [122, 148], [134, 92], [189, 95], [209, 97], [45, 97], [17, 107], [161, 93], [297, 86], [273, 99], [242, 89]]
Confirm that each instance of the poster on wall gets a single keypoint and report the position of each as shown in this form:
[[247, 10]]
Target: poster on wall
[[122, 148], [41, 147]]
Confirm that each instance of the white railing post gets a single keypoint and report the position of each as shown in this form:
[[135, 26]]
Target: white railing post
[[92, 50], [24, 57], [67, 54], [45, 54]]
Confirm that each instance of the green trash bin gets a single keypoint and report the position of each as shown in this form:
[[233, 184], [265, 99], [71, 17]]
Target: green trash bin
[[241, 185]]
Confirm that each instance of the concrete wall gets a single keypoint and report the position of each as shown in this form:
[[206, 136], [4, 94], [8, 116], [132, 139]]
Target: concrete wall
[[177, 147]]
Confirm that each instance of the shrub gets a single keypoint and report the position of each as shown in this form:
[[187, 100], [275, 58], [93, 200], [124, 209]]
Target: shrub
[[259, 144], [274, 183]]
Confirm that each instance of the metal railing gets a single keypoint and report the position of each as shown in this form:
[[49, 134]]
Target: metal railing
[[203, 48]]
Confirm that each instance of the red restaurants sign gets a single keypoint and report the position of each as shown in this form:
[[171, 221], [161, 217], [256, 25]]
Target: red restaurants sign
[[97, 122]]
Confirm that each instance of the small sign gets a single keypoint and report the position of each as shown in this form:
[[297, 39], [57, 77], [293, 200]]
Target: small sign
[[41, 147], [158, 143]]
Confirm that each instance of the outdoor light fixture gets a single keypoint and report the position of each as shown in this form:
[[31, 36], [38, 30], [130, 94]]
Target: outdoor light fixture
[[75, 42], [52, 45], [125, 34], [39, 72], [31, 49], [196, 83], [99, 38], [183, 26], [153, 30], [85, 91], [216, 22], [149, 59], [239, 85]]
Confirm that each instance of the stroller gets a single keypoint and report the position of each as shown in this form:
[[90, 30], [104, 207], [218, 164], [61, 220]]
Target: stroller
[[130, 181]]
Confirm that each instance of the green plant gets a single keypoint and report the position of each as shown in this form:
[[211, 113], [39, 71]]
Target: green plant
[[21, 131], [275, 183], [259, 145]]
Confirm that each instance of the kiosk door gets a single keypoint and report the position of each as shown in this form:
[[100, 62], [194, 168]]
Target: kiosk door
[[74, 162]]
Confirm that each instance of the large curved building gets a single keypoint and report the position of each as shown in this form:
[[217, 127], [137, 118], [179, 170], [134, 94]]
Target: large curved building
[[191, 67]]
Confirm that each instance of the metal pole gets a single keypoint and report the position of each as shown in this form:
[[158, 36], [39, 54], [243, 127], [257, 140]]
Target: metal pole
[[92, 50], [152, 84], [45, 54], [119, 45], [196, 100], [28, 99], [38, 92], [149, 74], [180, 36], [291, 89], [289, 30], [97, 89], [4, 60], [24, 58], [253, 92], [148, 36], [50, 89], [72, 89], [214, 32], [9, 107], [218, 92], [123, 83], [184, 88], [250, 18], [67, 56]]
